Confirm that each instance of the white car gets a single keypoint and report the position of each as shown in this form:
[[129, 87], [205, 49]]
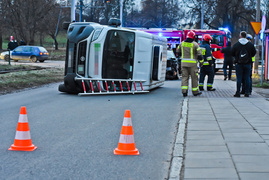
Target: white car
[[5, 55]]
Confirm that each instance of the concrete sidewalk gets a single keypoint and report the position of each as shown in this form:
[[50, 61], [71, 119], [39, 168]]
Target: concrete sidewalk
[[226, 137]]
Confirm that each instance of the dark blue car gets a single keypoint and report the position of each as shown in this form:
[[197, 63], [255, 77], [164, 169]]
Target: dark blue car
[[32, 53]]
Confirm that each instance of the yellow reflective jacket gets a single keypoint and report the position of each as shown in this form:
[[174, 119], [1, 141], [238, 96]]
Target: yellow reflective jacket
[[189, 53]]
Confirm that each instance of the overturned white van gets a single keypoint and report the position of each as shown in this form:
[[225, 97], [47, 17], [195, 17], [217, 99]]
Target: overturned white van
[[110, 59]]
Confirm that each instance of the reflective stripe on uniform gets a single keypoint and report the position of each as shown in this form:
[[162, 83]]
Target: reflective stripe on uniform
[[195, 89], [184, 87], [186, 44], [209, 85], [189, 61], [203, 51], [191, 53], [209, 58], [253, 59], [206, 63], [201, 84]]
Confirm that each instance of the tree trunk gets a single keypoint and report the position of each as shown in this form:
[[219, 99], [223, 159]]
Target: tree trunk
[[40, 39], [56, 43], [1, 39]]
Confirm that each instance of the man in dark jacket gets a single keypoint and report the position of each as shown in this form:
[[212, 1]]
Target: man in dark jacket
[[249, 38], [243, 51], [228, 60], [12, 45]]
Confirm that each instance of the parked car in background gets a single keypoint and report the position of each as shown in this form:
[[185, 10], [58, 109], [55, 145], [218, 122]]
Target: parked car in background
[[173, 66], [31, 53]]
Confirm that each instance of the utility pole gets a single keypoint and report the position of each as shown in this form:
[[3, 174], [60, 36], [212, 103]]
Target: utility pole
[[257, 57], [1, 19], [73, 13], [80, 6], [121, 9], [202, 15]]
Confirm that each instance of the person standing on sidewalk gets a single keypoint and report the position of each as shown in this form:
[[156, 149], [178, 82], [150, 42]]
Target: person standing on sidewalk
[[228, 61], [243, 51], [190, 52], [208, 64], [249, 38]]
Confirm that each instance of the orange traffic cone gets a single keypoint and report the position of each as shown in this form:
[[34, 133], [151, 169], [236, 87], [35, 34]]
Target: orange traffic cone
[[23, 140], [126, 144]]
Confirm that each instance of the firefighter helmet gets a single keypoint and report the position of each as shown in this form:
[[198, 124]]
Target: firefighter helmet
[[207, 37], [191, 34]]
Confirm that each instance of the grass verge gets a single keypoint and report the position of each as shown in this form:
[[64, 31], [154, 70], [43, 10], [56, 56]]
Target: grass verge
[[56, 54], [256, 82], [18, 80]]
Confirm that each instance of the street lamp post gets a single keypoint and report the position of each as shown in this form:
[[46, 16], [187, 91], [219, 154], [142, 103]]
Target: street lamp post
[[257, 57]]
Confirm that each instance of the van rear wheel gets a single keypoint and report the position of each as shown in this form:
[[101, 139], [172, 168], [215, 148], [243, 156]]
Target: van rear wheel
[[34, 59]]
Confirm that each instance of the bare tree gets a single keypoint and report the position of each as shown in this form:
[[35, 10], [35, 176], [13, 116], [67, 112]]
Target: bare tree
[[25, 17], [56, 16], [158, 13], [235, 14]]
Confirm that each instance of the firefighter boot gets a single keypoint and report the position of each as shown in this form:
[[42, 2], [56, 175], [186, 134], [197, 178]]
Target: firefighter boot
[[201, 88], [211, 89], [198, 94]]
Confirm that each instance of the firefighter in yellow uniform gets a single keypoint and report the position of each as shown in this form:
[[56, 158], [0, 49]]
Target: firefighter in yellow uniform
[[190, 52]]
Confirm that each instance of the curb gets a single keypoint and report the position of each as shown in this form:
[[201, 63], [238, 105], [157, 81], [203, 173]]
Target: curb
[[178, 151]]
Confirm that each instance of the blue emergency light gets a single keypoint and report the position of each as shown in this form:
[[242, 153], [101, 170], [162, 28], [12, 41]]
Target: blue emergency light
[[224, 29], [261, 35]]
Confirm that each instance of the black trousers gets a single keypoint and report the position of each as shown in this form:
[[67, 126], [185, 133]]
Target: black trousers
[[209, 71]]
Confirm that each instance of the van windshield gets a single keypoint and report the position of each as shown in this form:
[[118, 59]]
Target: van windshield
[[118, 55]]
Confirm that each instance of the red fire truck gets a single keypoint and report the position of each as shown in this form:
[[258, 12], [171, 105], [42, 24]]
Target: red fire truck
[[175, 37]]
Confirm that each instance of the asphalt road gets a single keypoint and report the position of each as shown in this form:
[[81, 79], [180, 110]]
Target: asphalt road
[[75, 136]]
